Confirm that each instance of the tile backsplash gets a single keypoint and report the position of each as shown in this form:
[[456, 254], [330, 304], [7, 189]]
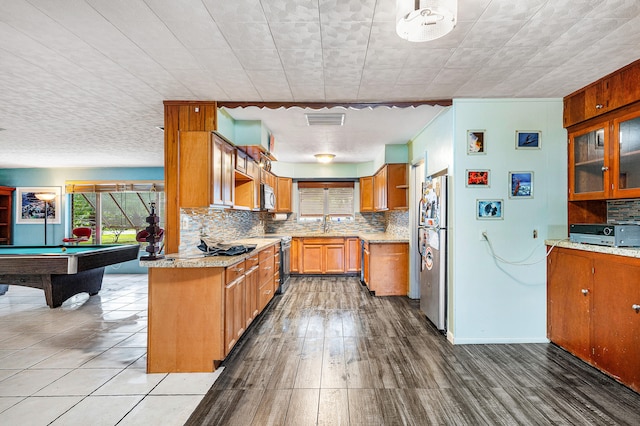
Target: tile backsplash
[[228, 225], [623, 210]]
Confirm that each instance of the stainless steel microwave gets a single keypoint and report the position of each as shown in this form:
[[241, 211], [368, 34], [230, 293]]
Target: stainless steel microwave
[[267, 197]]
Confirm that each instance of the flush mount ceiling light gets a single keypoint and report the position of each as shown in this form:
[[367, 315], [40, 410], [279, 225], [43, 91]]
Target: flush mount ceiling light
[[324, 158], [320, 119], [425, 20]]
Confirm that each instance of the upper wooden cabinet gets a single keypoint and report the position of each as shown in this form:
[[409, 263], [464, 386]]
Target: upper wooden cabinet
[[366, 194], [205, 170], [6, 192], [604, 159], [284, 186], [613, 91], [390, 187]]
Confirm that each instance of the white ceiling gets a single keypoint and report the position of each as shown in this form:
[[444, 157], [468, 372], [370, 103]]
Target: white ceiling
[[82, 81]]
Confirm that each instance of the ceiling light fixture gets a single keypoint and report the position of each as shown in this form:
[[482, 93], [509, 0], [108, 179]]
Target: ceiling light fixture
[[325, 158], [425, 20]]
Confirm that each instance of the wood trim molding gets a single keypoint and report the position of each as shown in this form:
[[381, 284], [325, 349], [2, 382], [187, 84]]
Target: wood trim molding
[[320, 105]]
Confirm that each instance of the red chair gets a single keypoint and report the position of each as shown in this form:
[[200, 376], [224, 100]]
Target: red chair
[[79, 235], [141, 236]]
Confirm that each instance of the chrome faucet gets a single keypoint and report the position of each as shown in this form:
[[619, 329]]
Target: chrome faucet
[[326, 222]]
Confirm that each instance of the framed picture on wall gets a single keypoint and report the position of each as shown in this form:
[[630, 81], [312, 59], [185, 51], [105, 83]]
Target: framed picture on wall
[[476, 142], [477, 178], [520, 184], [31, 210], [489, 209], [528, 139]]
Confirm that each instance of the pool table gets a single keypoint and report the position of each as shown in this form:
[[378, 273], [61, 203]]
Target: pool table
[[61, 271]]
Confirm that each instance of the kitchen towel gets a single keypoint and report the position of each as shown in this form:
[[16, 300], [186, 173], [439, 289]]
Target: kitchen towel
[[279, 216]]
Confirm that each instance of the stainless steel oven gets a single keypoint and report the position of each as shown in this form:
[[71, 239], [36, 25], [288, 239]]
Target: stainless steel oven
[[285, 264]]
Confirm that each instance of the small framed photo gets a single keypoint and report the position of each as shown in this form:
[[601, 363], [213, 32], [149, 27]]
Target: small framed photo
[[477, 179], [520, 184], [600, 139], [528, 139], [489, 209], [31, 210], [475, 142]]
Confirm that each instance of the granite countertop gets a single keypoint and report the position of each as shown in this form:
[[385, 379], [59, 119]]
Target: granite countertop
[[620, 251], [378, 237], [383, 237], [196, 259]]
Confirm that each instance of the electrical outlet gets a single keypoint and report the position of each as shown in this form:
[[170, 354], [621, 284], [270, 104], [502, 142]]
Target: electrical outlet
[[482, 234]]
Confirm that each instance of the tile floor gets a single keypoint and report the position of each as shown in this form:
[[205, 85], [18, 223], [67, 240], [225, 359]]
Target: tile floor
[[84, 363]]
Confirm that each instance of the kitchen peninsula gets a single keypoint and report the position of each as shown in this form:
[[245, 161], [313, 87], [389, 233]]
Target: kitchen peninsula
[[200, 306]]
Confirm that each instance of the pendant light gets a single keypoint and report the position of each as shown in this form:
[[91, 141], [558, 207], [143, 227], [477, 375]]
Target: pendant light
[[425, 20]]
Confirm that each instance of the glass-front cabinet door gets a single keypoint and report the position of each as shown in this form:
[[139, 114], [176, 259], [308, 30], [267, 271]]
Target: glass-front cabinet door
[[626, 170], [589, 163]]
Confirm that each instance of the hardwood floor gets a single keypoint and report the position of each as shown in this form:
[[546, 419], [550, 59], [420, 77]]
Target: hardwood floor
[[328, 353]]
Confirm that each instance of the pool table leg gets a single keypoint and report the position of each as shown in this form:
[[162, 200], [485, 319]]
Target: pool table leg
[[58, 288]]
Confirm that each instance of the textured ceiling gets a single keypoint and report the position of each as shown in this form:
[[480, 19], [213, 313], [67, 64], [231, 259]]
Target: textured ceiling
[[82, 81]]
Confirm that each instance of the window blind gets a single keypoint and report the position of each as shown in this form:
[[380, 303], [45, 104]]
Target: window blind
[[113, 186], [311, 202], [340, 201]]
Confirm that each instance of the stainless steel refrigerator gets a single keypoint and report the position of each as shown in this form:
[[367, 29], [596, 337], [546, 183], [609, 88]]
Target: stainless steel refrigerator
[[432, 244]]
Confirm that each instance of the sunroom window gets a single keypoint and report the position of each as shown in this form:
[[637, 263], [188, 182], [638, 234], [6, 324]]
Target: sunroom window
[[115, 211]]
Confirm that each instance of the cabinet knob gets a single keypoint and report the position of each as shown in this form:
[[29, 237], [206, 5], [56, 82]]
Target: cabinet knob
[[604, 168], [599, 106], [635, 308], [585, 291]]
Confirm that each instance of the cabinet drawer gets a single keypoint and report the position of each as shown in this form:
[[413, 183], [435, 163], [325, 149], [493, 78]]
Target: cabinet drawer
[[266, 253], [266, 294], [234, 271], [266, 271], [319, 240], [252, 261]]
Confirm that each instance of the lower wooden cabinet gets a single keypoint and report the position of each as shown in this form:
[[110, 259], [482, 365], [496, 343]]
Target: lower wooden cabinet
[[197, 315], [324, 255], [251, 294], [352, 255], [593, 310], [234, 305], [386, 268]]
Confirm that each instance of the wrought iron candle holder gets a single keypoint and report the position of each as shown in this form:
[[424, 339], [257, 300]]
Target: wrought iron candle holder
[[154, 235]]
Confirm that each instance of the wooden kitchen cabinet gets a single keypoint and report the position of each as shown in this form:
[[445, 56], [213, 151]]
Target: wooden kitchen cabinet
[[616, 323], [366, 194], [390, 187], [607, 94], [223, 172], [205, 172], [283, 194], [6, 209], [604, 159], [251, 289], [380, 190], [569, 286], [352, 255], [186, 326], [594, 310], [387, 268], [234, 305], [295, 255], [323, 255]]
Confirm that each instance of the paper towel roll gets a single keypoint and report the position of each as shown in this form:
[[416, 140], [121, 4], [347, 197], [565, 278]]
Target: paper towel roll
[[279, 216]]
